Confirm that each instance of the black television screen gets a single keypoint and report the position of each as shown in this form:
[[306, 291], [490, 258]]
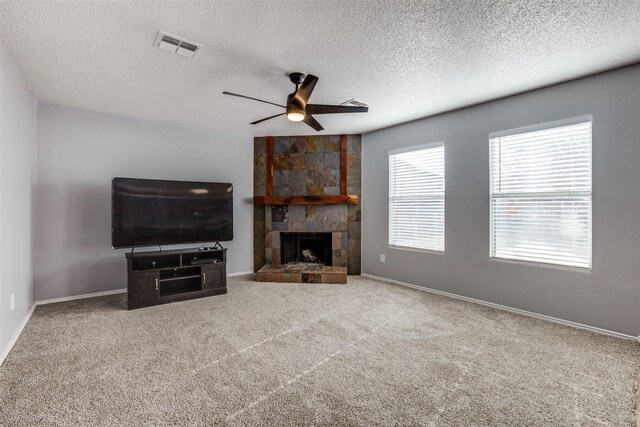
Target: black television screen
[[149, 212]]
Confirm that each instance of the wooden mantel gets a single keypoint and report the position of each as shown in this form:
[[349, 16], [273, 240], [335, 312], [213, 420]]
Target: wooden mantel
[[306, 200], [343, 198]]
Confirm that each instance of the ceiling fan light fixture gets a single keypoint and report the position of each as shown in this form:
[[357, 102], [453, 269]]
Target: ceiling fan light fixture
[[295, 115]]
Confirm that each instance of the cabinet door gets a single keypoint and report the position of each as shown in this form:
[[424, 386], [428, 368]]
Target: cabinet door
[[214, 276], [144, 285]]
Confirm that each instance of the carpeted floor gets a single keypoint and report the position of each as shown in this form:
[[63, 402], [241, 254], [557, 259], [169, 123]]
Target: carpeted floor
[[362, 354]]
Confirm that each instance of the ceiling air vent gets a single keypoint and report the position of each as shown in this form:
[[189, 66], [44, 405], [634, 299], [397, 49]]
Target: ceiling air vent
[[177, 45], [354, 103]]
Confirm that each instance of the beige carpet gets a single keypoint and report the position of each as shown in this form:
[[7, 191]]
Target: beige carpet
[[362, 354]]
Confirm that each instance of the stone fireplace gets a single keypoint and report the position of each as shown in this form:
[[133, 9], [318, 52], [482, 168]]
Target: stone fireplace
[[311, 189]]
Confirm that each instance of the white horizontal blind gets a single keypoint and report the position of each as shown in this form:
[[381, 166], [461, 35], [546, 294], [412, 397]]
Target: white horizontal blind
[[541, 196], [416, 198]]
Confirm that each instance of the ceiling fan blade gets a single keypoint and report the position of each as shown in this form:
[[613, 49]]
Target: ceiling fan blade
[[304, 91], [255, 99], [308, 119], [332, 109], [266, 118]]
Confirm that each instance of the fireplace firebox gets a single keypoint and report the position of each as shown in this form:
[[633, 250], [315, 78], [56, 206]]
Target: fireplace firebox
[[305, 248]]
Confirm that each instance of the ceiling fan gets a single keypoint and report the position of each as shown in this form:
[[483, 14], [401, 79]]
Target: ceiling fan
[[298, 109]]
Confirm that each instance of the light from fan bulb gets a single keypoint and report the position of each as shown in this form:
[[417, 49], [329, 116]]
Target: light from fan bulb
[[295, 116]]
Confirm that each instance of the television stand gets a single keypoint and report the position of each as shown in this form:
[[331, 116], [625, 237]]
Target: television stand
[[160, 277]]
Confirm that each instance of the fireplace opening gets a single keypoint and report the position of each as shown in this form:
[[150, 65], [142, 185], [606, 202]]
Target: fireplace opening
[[312, 248]]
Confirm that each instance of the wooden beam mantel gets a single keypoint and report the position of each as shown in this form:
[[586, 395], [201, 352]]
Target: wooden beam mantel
[[306, 200]]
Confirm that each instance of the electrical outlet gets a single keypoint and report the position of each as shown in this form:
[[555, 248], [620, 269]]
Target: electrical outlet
[[382, 258], [13, 301]]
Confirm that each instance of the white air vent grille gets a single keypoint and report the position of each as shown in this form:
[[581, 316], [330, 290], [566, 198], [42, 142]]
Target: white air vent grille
[[175, 44], [354, 103]]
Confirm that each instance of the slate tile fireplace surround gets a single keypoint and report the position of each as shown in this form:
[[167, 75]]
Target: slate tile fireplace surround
[[308, 166]]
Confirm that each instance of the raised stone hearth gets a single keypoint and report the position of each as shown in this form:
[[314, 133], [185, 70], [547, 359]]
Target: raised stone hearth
[[302, 273]]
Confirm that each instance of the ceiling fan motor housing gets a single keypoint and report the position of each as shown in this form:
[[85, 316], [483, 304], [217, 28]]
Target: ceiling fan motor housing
[[295, 112]]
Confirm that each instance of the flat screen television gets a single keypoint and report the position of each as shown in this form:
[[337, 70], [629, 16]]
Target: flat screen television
[[149, 212]]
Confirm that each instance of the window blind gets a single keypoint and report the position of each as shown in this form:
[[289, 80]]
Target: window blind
[[416, 198], [541, 196]]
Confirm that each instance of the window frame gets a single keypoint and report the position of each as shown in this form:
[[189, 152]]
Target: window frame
[[444, 196], [534, 128]]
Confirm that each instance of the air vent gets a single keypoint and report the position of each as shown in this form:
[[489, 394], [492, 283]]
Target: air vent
[[174, 44], [354, 103]]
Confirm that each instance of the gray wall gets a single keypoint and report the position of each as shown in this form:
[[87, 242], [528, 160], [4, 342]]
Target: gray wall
[[609, 296], [79, 152], [17, 156]]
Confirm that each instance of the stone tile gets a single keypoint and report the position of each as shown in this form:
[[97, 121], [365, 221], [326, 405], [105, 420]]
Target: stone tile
[[258, 261], [355, 265], [314, 161], [336, 257], [279, 226], [265, 276], [275, 256], [313, 226], [258, 212], [280, 178], [312, 213], [344, 241], [331, 191], [267, 215], [334, 278], [332, 160], [323, 178], [259, 145], [353, 213], [336, 240], [297, 213], [354, 247], [315, 191], [311, 278], [357, 191], [275, 240], [258, 245], [331, 143], [282, 144], [299, 144], [281, 191], [298, 161], [297, 179], [258, 228], [314, 144], [354, 174], [299, 191], [354, 230], [279, 213], [354, 143], [281, 161]]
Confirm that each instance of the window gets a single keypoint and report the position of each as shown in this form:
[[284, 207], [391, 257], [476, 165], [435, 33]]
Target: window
[[416, 198], [541, 195]]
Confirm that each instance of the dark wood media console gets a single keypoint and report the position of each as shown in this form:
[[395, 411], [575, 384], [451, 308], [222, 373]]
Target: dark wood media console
[[161, 277]]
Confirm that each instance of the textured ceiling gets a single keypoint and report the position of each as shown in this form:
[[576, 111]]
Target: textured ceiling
[[405, 59]]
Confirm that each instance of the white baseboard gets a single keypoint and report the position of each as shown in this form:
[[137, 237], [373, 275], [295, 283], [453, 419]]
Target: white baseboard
[[505, 308], [16, 335], [83, 296]]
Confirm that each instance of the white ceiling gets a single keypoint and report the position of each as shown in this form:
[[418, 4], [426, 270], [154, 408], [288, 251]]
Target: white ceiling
[[405, 59]]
